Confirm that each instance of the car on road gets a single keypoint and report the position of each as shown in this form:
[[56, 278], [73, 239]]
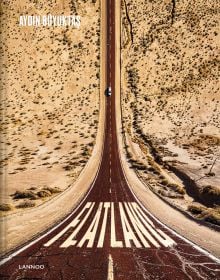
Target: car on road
[[108, 91]]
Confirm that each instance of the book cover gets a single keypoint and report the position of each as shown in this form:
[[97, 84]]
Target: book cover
[[110, 140]]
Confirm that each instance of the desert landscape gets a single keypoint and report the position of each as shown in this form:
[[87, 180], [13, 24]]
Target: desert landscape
[[110, 140], [49, 101], [170, 101]]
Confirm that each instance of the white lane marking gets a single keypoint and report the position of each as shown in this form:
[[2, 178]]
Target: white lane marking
[[110, 191], [104, 223], [140, 230], [137, 228], [110, 268], [91, 232], [70, 241], [127, 230], [88, 205], [114, 242], [152, 229]]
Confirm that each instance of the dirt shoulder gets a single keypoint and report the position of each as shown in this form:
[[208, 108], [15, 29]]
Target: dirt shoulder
[[129, 146]]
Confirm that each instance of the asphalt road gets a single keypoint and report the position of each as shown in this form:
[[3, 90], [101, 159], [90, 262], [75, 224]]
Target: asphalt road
[[110, 235]]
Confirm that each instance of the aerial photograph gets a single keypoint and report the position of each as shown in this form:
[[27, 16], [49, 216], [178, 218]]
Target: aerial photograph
[[109, 140]]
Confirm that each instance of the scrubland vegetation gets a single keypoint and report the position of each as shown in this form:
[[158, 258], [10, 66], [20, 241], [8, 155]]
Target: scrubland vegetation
[[170, 100], [49, 100]]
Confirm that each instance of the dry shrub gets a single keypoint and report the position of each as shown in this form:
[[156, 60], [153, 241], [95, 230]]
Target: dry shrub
[[196, 209], [211, 190], [5, 207], [164, 182], [24, 194], [52, 190], [170, 194], [176, 188], [26, 204], [211, 215], [44, 193]]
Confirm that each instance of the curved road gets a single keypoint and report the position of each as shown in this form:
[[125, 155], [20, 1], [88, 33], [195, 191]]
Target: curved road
[[110, 235]]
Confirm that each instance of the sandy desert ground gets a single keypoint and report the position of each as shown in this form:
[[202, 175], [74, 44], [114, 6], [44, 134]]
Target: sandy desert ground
[[170, 93], [170, 100], [49, 100]]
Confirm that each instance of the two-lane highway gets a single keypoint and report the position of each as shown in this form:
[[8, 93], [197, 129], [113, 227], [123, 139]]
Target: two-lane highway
[[110, 235]]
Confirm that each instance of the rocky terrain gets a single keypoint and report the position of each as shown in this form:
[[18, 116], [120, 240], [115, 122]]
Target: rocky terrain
[[170, 100], [49, 100]]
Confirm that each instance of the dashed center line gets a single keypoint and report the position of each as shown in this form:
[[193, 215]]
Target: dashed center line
[[110, 268]]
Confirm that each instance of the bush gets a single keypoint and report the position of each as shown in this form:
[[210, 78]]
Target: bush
[[24, 194], [5, 207], [211, 215], [176, 188], [151, 169], [44, 193], [26, 204], [211, 190], [52, 190], [196, 209], [164, 182]]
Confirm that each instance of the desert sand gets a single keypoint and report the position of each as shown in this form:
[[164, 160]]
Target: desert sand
[[170, 101], [49, 101]]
